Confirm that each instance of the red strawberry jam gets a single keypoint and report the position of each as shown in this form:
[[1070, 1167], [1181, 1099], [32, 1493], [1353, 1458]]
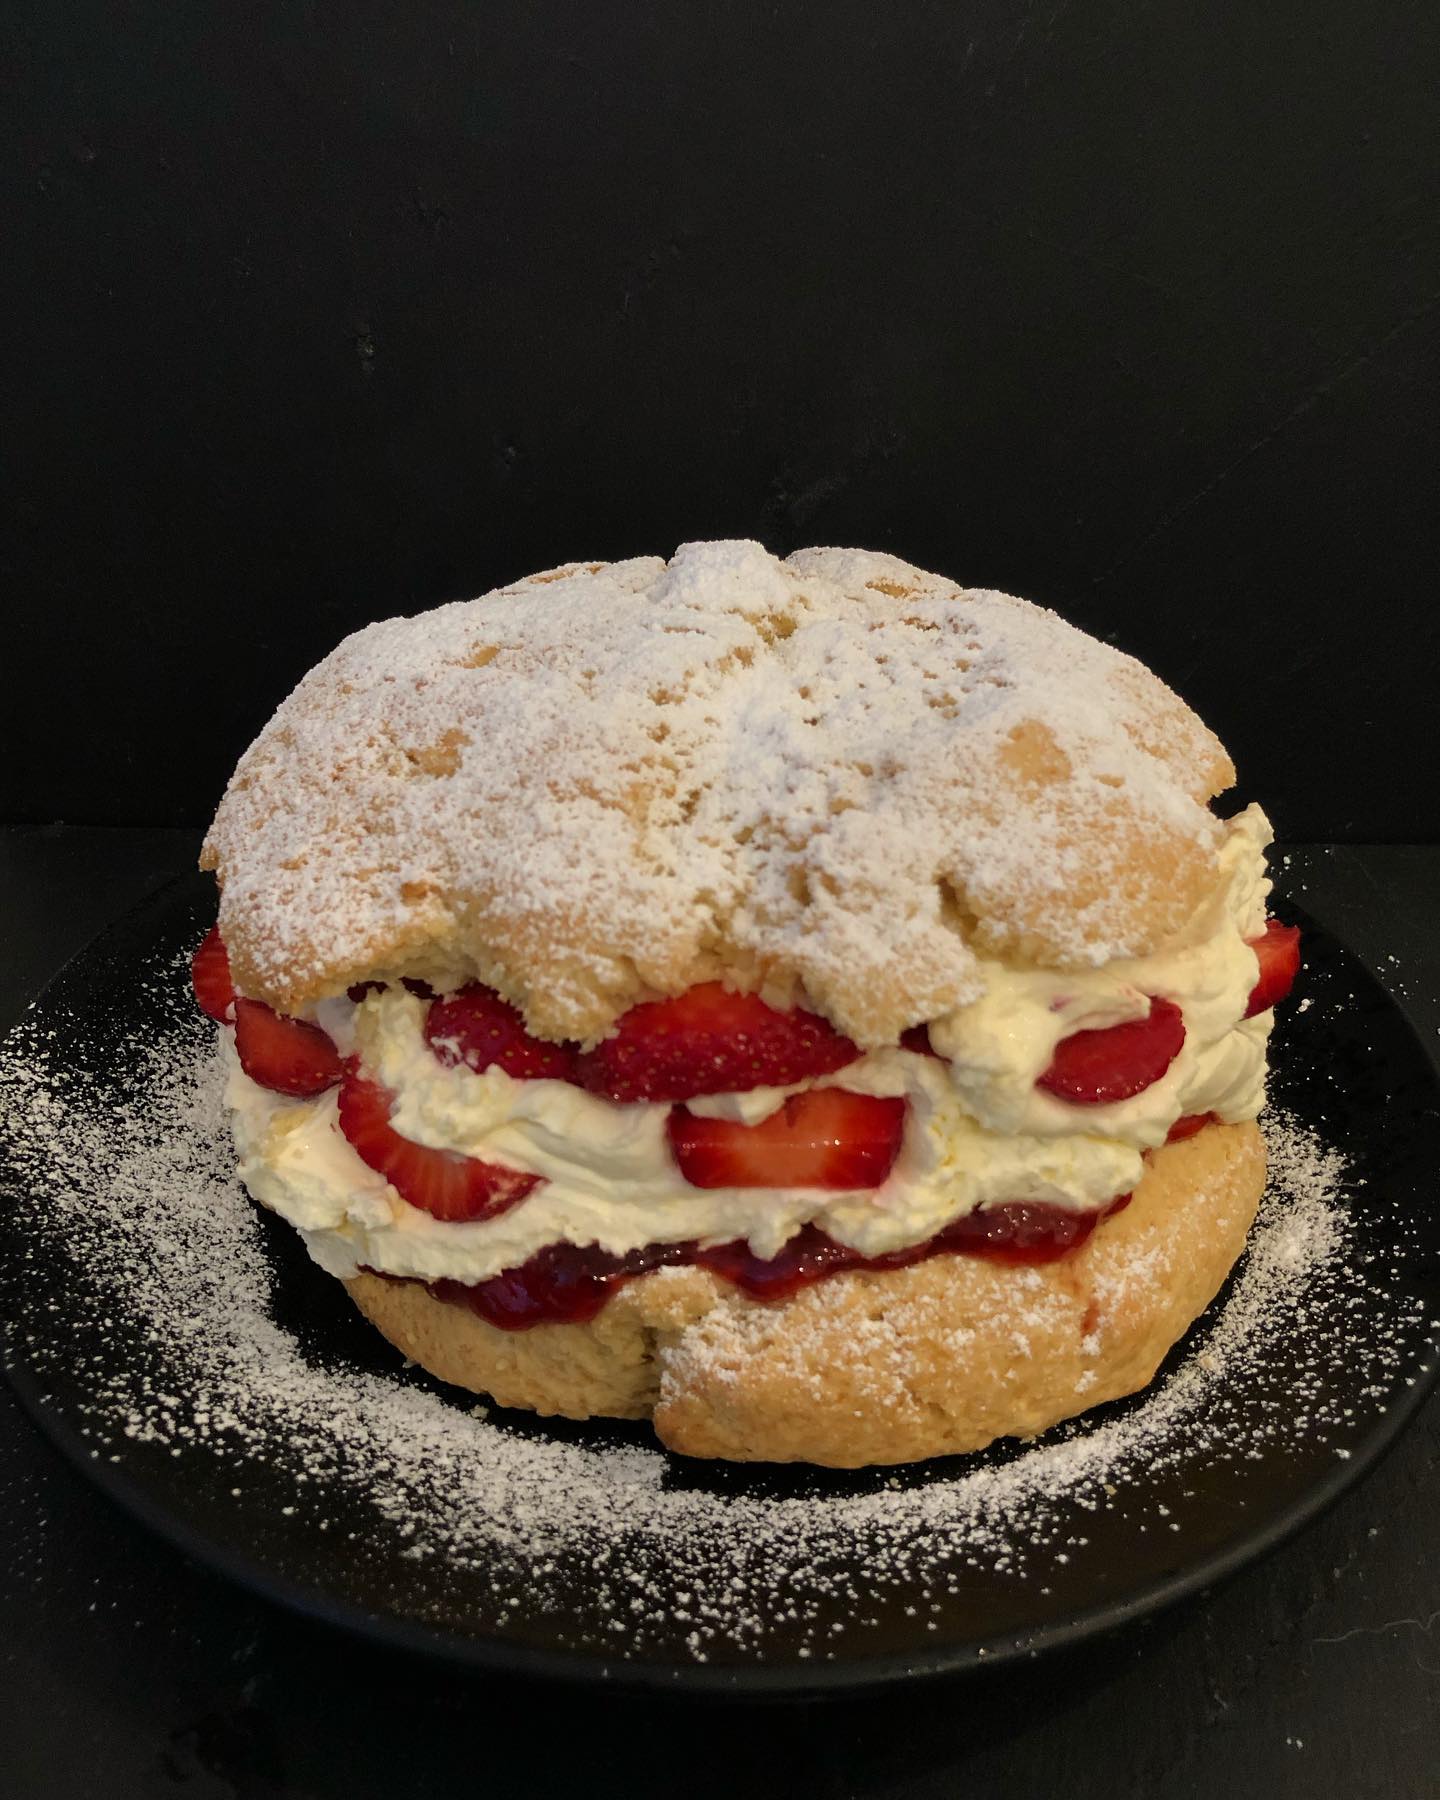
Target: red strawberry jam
[[565, 1284]]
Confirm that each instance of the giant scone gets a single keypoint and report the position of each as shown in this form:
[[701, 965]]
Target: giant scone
[[806, 1003]]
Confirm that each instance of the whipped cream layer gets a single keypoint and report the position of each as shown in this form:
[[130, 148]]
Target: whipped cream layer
[[978, 1132]]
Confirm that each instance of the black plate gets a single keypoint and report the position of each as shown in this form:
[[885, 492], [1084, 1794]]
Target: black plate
[[784, 1581]]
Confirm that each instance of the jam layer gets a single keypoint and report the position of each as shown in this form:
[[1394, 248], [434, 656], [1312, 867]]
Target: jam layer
[[566, 1284]]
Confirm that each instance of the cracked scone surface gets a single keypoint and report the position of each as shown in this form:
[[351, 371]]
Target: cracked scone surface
[[873, 1367], [835, 777]]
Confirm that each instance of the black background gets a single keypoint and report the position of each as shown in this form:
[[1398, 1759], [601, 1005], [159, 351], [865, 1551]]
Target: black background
[[314, 313], [332, 311]]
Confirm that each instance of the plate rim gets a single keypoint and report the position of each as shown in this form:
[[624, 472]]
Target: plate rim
[[792, 1679], [755, 1680]]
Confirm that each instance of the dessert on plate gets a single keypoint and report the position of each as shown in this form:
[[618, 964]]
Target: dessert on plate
[[806, 1003]]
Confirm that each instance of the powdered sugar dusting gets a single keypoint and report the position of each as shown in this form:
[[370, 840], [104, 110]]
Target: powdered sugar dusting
[[835, 774], [183, 1354]]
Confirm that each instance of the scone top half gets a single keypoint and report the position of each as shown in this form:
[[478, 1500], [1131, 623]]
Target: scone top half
[[833, 780]]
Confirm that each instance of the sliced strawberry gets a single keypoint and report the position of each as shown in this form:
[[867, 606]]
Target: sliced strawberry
[[1277, 950], [1117, 1062], [210, 977], [289, 1056], [710, 1041], [1187, 1125], [825, 1138], [476, 1027], [444, 1183]]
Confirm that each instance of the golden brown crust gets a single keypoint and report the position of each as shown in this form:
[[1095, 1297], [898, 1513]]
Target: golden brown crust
[[834, 779], [873, 1367]]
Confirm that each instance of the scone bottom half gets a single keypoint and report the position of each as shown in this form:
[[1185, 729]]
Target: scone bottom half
[[722, 1189]]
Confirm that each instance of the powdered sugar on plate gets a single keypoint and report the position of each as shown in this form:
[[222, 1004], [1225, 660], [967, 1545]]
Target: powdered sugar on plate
[[126, 1188]]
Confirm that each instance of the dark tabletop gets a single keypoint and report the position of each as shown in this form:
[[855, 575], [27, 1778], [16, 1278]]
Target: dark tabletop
[[128, 1670]]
